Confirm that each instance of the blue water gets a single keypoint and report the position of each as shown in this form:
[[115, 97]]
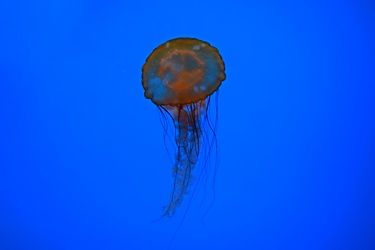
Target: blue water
[[82, 158]]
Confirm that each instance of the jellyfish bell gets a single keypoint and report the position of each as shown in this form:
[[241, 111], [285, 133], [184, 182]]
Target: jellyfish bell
[[182, 71], [180, 76]]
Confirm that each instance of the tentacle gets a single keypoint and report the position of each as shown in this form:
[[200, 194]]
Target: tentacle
[[187, 121]]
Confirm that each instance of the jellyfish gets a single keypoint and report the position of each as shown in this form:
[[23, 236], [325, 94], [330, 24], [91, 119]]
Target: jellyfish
[[179, 77]]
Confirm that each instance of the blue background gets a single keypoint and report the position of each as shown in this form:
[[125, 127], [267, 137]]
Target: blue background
[[82, 159]]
